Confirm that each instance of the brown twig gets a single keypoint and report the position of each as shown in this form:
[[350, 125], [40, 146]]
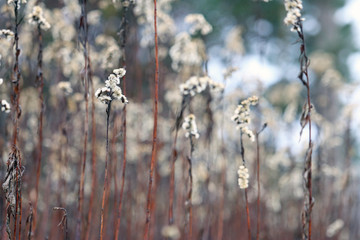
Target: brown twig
[[30, 221], [93, 151], [173, 160], [242, 152], [154, 140], [84, 27], [108, 109], [123, 32], [258, 180], [308, 201]]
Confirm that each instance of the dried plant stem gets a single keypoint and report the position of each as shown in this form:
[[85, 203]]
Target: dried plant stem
[[172, 180], [173, 160], [93, 152], [30, 220], [108, 109], [242, 149], [123, 44], [40, 83], [247, 214], [63, 221], [258, 181], [154, 140], [84, 41], [308, 201], [258, 186], [16, 115], [189, 195]]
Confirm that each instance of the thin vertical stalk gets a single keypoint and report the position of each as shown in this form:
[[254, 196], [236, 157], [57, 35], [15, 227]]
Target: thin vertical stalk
[[258, 186], [108, 109], [83, 26], [189, 195], [30, 221], [258, 181], [172, 180], [308, 201], [123, 44], [40, 82], [154, 140], [16, 116], [247, 214], [173, 160], [93, 151], [242, 149]]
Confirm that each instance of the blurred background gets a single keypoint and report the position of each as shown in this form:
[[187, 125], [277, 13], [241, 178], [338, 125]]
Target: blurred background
[[245, 47]]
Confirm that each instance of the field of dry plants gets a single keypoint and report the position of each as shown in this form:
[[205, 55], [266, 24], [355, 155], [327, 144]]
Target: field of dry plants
[[179, 119]]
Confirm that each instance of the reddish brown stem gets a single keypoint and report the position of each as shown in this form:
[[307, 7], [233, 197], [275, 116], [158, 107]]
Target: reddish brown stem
[[30, 221], [247, 215], [106, 172], [242, 150], [154, 140], [123, 170], [84, 27], [20, 212], [93, 152], [124, 25]]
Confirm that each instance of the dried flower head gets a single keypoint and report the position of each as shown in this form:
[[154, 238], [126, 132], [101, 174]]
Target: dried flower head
[[229, 72], [1, 81], [171, 232], [198, 84], [334, 228], [5, 106], [187, 51], [293, 17], [7, 34], [112, 91], [198, 24], [242, 116], [190, 126], [234, 41], [65, 87], [243, 180], [37, 18]]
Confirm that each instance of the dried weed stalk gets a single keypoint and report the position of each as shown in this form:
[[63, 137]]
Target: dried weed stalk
[[258, 180], [83, 38], [293, 18], [12, 189], [184, 103], [154, 140], [35, 18], [123, 37]]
